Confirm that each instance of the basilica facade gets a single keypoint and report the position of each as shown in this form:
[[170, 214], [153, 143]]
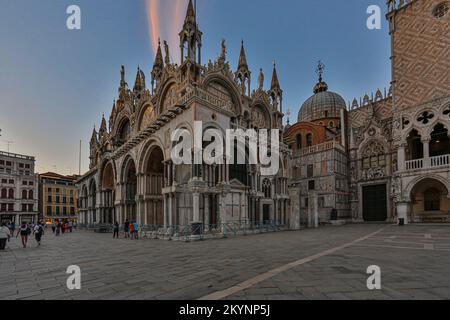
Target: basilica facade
[[132, 175], [383, 158]]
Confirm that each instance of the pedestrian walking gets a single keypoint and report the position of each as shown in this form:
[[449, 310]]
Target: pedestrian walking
[[5, 234], [38, 233], [131, 231], [53, 228], [136, 230], [58, 229], [12, 227], [116, 230], [24, 232], [126, 228]]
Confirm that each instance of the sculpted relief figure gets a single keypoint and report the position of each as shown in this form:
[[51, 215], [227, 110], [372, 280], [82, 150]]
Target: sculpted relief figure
[[224, 50], [261, 79], [166, 48], [259, 120]]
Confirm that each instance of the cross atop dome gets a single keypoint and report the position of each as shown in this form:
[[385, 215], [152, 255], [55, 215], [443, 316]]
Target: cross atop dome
[[320, 70], [321, 86]]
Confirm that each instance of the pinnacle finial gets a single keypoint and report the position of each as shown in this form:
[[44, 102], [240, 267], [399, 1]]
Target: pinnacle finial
[[242, 58], [190, 14], [275, 83]]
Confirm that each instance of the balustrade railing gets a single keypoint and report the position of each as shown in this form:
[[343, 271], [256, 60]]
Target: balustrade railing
[[433, 162], [440, 161], [414, 164]]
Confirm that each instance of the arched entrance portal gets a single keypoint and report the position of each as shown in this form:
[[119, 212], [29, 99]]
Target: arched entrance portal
[[429, 201], [108, 195], [154, 182], [130, 179]]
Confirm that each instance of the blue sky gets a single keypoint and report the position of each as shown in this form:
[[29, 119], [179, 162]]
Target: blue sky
[[55, 83]]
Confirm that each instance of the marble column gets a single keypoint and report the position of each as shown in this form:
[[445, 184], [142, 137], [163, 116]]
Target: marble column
[[166, 215], [426, 153], [207, 210], [196, 207], [170, 210], [401, 158]]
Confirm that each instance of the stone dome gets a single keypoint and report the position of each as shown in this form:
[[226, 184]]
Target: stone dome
[[323, 104]]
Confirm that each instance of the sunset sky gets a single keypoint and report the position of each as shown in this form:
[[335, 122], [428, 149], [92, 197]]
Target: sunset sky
[[56, 83]]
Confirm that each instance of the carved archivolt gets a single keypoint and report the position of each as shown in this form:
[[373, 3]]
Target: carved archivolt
[[373, 148]]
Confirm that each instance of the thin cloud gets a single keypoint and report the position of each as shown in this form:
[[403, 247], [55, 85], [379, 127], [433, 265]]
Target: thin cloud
[[165, 20]]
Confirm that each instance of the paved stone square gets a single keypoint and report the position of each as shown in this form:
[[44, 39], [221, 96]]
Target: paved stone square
[[327, 263]]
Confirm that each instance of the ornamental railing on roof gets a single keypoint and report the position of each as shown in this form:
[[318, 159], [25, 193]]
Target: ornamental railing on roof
[[335, 144]]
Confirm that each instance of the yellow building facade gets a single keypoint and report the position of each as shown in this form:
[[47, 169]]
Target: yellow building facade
[[57, 197]]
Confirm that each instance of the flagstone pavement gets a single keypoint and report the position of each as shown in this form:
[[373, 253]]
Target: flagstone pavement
[[326, 263]]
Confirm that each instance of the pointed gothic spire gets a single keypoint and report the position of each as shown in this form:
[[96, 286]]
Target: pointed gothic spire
[[94, 138], [158, 66], [275, 83], [242, 58], [103, 128], [159, 62], [243, 73], [190, 14], [190, 37], [139, 84], [275, 91]]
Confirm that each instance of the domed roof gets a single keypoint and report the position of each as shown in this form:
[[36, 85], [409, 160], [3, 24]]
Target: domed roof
[[323, 104]]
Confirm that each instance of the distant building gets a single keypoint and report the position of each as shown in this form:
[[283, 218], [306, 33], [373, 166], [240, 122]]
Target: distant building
[[18, 188], [57, 197]]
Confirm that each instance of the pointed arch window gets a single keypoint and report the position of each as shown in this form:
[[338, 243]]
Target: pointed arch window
[[440, 141]]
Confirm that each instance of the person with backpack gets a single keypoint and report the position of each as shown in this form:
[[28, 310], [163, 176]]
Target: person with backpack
[[5, 234], [24, 232], [38, 233], [116, 230]]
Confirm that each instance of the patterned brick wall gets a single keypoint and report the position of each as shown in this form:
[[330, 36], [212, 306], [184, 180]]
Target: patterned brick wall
[[421, 45], [382, 110]]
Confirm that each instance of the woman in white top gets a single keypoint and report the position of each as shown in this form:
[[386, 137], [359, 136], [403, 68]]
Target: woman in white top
[[5, 234]]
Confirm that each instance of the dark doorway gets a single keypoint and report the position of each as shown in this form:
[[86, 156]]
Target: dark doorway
[[266, 213], [374, 203], [432, 199]]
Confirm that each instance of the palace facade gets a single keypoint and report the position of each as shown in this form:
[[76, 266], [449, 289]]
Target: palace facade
[[383, 158]]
